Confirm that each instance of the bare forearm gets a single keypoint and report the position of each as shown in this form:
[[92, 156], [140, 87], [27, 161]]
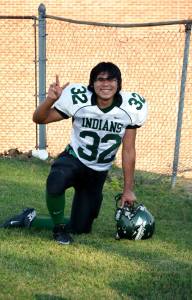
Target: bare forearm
[[42, 111], [128, 165]]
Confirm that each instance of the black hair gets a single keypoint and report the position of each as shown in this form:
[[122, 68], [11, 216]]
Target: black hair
[[110, 68]]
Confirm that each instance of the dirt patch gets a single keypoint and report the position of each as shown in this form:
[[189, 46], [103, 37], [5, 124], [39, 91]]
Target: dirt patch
[[16, 153]]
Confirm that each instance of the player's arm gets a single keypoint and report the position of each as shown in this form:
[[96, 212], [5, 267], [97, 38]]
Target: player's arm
[[128, 165], [44, 113]]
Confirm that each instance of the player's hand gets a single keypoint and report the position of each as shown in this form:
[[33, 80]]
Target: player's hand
[[128, 197], [55, 89]]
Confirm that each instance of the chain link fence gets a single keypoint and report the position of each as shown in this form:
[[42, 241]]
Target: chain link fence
[[18, 82], [151, 62]]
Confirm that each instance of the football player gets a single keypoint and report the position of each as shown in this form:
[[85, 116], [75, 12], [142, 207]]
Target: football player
[[103, 118]]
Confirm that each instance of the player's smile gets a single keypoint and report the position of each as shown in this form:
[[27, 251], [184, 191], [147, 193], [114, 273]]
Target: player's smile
[[105, 87]]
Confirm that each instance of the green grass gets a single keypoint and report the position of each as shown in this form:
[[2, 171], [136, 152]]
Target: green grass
[[96, 266]]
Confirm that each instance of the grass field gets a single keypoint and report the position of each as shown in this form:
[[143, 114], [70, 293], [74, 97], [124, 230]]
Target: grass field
[[96, 266]]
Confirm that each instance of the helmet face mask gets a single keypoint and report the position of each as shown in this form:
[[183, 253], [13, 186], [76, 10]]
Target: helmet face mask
[[134, 223]]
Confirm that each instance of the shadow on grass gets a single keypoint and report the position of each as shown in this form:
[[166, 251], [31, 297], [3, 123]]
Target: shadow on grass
[[155, 285], [138, 272], [158, 272], [48, 297]]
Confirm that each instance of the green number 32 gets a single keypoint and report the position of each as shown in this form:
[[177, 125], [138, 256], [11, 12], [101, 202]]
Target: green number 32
[[137, 100], [79, 95], [104, 157]]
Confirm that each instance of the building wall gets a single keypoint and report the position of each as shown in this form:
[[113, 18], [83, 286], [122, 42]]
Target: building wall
[[150, 60]]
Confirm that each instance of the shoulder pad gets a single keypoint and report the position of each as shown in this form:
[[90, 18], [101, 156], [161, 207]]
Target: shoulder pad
[[135, 106], [72, 98]]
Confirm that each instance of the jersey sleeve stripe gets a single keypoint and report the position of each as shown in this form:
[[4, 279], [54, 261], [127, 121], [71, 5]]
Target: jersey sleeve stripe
[[80, 109], [62, 113], [127, 115], [133, 127]]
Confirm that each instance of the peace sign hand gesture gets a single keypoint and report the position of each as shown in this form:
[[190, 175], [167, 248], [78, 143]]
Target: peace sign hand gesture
[[55, 90]]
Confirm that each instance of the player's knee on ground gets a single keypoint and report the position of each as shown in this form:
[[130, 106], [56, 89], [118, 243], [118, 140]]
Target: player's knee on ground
[[81, 223], [55, 183], [82, 228]]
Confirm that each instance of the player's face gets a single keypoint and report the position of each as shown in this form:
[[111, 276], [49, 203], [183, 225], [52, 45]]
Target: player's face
[[105, 87]]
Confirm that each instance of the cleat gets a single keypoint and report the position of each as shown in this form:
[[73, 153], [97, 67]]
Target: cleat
[[22, 220], [61, 236], [30, 215]]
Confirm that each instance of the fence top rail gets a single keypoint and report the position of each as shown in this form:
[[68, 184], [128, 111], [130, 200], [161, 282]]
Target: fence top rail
[[121, 25], [129, 25], [19, 17]]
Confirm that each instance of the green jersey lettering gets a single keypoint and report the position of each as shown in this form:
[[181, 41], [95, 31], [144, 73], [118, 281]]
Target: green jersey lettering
[[137, 100], [79, 95]]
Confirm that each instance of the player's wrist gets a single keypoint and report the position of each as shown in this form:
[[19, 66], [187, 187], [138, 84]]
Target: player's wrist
[[50, 99], [128, 187], [128, 191]]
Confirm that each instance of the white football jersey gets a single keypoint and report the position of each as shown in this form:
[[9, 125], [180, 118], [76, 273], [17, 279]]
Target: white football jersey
[[97, 133]]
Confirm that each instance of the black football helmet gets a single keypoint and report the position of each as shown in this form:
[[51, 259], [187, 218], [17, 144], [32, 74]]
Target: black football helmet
[[134, 222]]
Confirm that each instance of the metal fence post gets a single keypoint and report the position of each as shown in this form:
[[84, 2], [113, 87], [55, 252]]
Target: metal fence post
[[181, 104], [42, 69]]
